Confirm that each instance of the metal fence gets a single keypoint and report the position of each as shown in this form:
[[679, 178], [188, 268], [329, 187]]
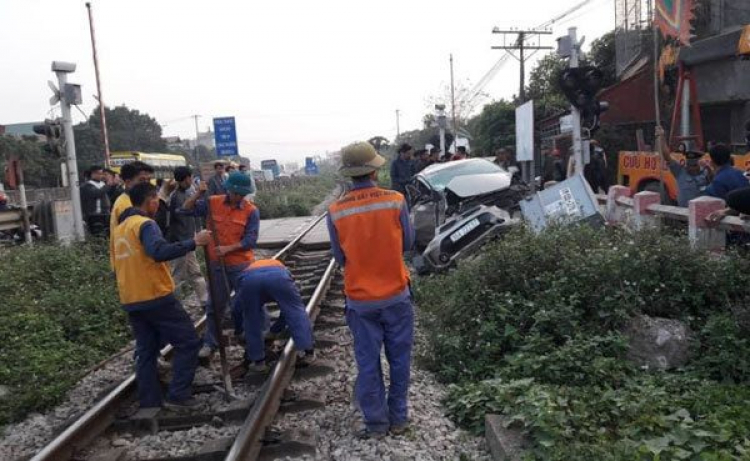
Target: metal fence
[[36, 195], [632, 23]]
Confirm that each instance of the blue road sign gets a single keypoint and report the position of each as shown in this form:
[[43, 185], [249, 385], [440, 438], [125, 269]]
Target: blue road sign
[[225, 135]]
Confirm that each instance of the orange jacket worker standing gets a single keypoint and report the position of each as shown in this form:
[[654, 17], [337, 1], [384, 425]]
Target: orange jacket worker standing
[[370, 231]]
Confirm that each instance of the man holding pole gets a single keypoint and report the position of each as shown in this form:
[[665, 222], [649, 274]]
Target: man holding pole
[[146, 289], [235, 222]]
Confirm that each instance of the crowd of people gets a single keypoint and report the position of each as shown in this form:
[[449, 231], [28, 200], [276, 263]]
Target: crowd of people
[[409, 162], [154, 258]]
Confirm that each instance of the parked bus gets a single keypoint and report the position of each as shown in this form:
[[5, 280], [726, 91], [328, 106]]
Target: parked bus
[[272, 165], [640, 170], [163, 164]]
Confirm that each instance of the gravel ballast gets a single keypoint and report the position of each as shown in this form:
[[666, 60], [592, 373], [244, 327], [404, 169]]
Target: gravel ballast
[[432, 435]]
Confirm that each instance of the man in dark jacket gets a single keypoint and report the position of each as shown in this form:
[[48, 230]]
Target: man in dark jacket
[[146, 293], [182, 226], [95, 203], [402, 168]]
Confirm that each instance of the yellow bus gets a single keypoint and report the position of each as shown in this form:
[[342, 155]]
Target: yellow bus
[[164, 164]]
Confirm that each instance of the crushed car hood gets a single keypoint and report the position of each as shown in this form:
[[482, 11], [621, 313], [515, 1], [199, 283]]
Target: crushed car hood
[[478, 184]]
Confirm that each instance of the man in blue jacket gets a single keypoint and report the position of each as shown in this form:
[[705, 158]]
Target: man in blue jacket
[[726, 177], [146, 289]]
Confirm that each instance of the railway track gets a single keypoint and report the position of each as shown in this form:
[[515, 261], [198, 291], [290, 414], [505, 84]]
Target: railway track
[[114, 429]]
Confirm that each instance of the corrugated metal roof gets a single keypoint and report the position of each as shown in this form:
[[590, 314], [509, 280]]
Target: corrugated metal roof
[[21, 129]]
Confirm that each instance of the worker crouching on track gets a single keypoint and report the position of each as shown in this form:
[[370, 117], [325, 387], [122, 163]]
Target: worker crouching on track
[[264, 281], [370, 231], [237, 223], [146, 288]]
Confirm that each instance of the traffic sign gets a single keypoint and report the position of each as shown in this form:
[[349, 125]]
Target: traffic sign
[[225, 135]]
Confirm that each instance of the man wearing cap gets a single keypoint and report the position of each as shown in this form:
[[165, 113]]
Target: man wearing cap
[[692, 179], [370, 231], [236, 222], [402, 168]]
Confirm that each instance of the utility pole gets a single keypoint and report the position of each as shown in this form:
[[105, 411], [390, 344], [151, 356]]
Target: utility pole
[[99, 95], [68, 95], [575, 48], [520, 45], [453, 102], [398, 128], [441, 123], [197, 160]]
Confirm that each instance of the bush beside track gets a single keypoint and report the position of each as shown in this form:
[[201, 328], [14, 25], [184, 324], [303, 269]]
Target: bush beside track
[[59, 315], [532, 330], [296, 200]]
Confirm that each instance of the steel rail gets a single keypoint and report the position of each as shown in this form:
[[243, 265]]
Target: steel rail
[[97, 418], [247, 444], [283, 253]]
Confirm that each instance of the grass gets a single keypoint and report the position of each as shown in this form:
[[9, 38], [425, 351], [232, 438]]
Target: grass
[[60, 315], [298, 200]]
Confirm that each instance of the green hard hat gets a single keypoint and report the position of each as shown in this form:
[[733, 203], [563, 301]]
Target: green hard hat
[[359, 159], [239, 183]]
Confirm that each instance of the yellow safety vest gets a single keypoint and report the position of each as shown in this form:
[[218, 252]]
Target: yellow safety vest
[[139, 277], [121, 204]]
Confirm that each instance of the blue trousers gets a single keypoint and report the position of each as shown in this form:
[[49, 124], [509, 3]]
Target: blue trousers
[[222, 297], [167, 323], [373, 329], [256, 288]]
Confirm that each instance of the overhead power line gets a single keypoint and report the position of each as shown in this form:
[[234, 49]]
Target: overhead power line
[[476, 91]]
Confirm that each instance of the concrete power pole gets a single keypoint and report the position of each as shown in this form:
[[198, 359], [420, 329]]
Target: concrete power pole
[[69, 95], [197, 160], [453, 104], [398, 127], [520, 45], [574, 112]]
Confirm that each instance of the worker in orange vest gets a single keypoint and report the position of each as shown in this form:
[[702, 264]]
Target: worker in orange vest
[[370, 231], [265, 281], [237, 222]]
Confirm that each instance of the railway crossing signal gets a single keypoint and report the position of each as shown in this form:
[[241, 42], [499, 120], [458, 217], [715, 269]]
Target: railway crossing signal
[[580, 85], [52, 131]]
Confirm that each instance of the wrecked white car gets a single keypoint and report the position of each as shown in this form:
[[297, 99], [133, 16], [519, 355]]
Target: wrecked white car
[[458, 206]]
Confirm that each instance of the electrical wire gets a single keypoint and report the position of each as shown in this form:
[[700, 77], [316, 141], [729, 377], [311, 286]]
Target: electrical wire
[[476, 91]]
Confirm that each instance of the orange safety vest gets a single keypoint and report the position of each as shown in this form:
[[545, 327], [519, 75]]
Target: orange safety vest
[[139, 277], [261, 263], [371, 238], [230, 224]]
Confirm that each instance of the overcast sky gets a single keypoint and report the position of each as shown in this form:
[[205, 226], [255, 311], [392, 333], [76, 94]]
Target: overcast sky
[[302, 78]]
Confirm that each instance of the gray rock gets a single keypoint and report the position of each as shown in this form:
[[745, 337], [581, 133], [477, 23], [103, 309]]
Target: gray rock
[[658, 343], [4, 392]]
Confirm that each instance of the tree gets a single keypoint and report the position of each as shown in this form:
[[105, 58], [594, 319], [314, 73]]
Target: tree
[[380, 143], [543, 87], [128, 129], [466, 103], [603, 56], [39, 168], [494, 127]]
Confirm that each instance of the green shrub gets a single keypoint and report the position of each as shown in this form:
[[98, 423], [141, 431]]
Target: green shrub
[[532, 329], [60, 315]]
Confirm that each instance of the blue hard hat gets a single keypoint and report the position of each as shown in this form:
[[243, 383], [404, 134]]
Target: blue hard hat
[[239, 183]]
